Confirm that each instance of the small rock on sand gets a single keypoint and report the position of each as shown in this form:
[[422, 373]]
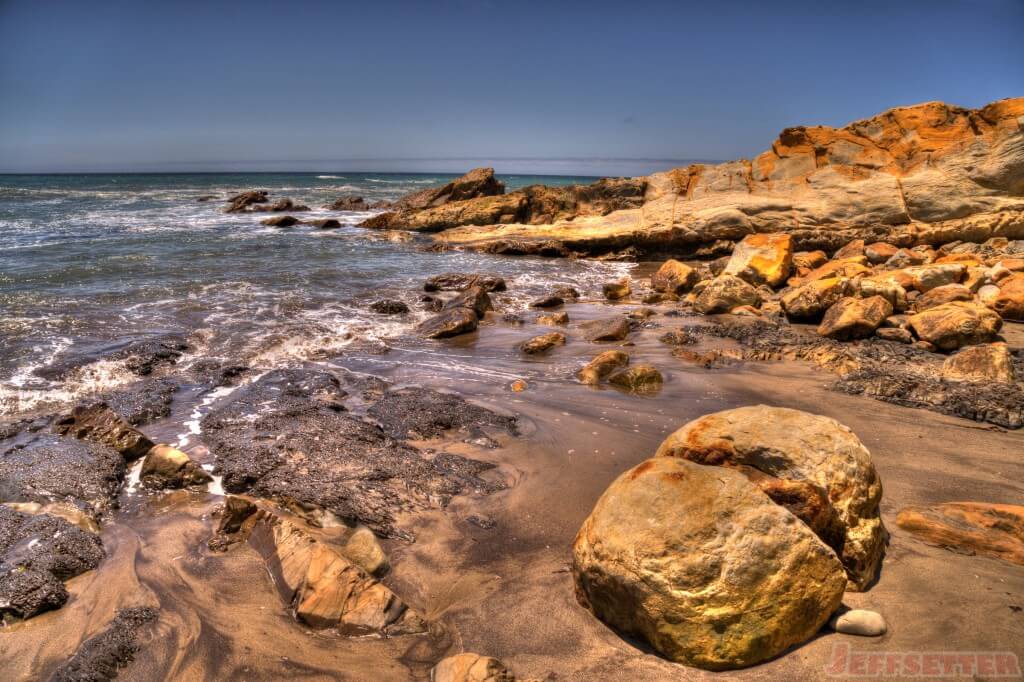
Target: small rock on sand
[[858, 622]]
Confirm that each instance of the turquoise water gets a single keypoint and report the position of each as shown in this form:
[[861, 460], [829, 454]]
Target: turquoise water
[[89, 261]]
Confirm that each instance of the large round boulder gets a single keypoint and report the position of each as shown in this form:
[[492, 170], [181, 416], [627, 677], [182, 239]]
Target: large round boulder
[[811, 464], [854, 318], [703, 565]]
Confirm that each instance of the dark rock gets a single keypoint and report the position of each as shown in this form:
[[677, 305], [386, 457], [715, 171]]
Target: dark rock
[[420, 413], [479, 182], [326, 223], [549, 301], [97, 423], [240, 202], [431, 303], [448, 323], [281, 221], [101, 657], [280, 206], [53, 468], [141, 356], [37, 553], [349, 203], [303, 449], [143, 401], [474, 298], [207, 197], [460, 281], [389, 306]]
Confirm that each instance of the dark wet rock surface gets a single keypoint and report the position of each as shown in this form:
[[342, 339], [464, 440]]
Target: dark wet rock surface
[[102, 656], [56, 468], [141, 356], [289, 437], [421, 413], [37, 553], [388, 306], [142, 402], [460, 281]]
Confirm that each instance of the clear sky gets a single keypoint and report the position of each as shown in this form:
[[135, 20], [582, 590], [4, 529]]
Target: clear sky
[[110, 85]]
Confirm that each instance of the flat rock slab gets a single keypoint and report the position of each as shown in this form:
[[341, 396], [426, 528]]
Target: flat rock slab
[[995, 530], [37, 553], [56, 468], [421, 413], [288, 437]]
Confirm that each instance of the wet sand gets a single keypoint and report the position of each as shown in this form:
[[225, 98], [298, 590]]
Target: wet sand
[[507, 591]]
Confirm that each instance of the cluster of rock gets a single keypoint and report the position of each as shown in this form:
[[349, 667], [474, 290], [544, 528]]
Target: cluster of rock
[[926, 174], [478, 198], [736, 540], [59, 477]]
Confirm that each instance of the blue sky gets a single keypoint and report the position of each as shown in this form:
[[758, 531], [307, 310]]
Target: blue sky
[[306, 85]]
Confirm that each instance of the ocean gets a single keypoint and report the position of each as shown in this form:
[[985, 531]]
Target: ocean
[[91, 262]]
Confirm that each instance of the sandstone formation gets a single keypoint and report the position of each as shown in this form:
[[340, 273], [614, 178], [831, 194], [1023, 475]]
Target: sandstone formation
[[601, 366], [925, 174], [543, 343], [471, 668], [854, 318], [697, 561], [674, 277], [320, 585], [97, 423], [724, 293], [995, 530], [988, 363], [953, 325], [637, 379], [605, 329], [792, 447], [762, 259]]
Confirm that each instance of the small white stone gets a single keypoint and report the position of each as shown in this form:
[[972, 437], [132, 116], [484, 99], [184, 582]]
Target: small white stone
[[858, 622]]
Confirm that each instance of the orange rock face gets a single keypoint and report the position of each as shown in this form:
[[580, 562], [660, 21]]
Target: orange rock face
[[995, 530]]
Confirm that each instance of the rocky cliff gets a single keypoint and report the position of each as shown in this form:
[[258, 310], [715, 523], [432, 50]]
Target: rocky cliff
[[930, 173]]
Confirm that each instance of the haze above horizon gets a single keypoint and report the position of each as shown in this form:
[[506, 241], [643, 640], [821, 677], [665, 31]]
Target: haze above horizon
[[571, 88]]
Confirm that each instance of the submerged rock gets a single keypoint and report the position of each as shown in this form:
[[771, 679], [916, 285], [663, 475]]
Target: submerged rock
[[703, 566], [326, 223], [828, 463], [349, 203], [474, 298], [553, 319], [38, 553]]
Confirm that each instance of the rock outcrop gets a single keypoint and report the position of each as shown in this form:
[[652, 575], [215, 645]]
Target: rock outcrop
[[925, 174]]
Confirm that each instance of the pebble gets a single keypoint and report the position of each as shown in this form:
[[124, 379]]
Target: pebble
[[858, 622]]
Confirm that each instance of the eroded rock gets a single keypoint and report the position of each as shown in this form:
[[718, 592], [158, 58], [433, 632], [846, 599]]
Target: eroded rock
[[995, 530], [167, 467], [794, 446], [542, 344], [703, 566]]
